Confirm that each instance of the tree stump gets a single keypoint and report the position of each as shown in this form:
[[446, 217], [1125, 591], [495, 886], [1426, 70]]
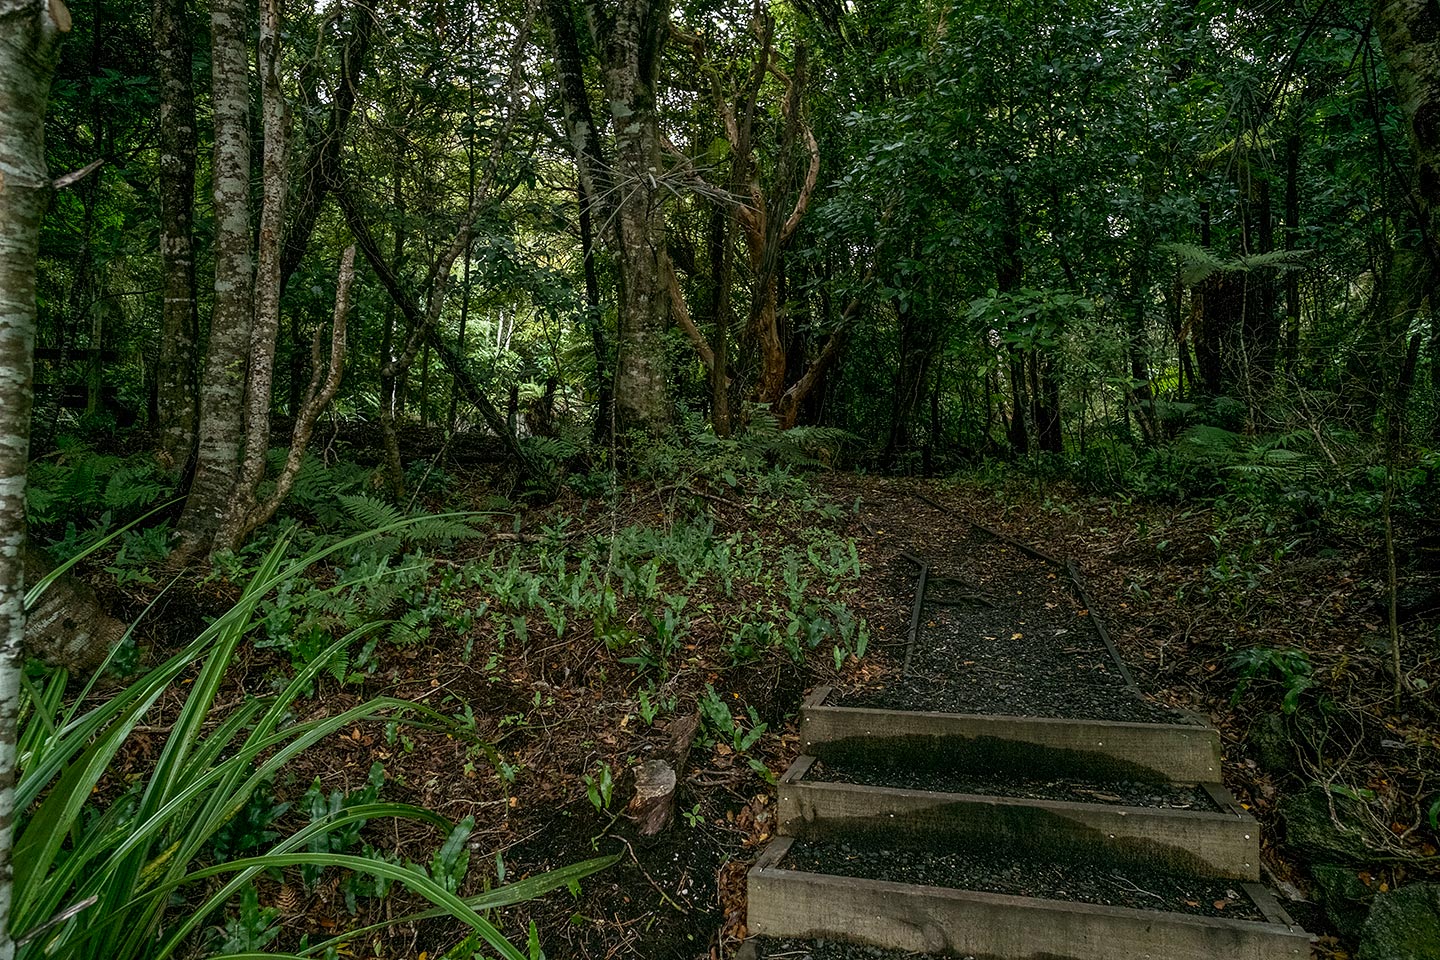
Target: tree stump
[[657, 781]]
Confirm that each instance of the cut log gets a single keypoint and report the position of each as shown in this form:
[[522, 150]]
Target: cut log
[[68, 627], [653, 807], [657, 780]]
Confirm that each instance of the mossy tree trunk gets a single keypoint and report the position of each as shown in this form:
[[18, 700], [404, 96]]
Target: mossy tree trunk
[[633, 34], [176, 386], [222, 406]]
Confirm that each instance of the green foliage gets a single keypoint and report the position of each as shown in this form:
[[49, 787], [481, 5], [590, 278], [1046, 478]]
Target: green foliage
[[1199, 264], [253, 928], [78, 485], [1290, 669], [760, 457], [131, 855], [251, 828], [323, 809], [722, 725], [600, 787], [1271, 459]]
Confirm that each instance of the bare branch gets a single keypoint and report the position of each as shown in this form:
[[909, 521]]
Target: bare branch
[[75, 176], [682, 316], [317, 397]]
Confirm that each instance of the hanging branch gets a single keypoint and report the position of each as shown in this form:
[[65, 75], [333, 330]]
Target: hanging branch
[[682, 316]]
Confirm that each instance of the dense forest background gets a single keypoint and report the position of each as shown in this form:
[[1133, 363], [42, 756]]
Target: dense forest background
[[957, 234], [320, 281]]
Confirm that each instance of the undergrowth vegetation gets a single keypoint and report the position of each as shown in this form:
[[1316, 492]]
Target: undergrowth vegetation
[[656, 577]]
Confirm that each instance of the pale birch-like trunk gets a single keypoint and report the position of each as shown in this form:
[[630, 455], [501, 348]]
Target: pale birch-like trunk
[[265, 324], [29, 35], [176, 385], [317, 398], [223, 393]]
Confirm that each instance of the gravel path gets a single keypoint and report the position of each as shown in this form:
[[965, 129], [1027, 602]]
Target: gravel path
[[1003, 633], [1124, 793], [1138, 888], [832, 950]]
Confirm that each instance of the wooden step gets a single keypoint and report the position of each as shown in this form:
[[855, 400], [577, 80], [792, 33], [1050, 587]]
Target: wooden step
[[960, 923], [1025, 746], [1219, 843]]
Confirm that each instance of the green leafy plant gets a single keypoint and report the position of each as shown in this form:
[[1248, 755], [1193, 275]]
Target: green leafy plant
[[716, 715], [95, 880], [324, 808], [601, 787], [251, 828], [253, 928], [1290, 668]]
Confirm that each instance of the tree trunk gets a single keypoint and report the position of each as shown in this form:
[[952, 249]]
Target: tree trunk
[[722, 263], [265, 326], [1292, 239], [322, 163], [222, 398], [595, 321], [176, 385], [1409, 33], [631, 35], [29, 41], [634, 37], [1049, 422], [592, 179], [1262, 334], [389, 388]]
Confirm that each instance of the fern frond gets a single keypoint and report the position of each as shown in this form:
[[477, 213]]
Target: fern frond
[[370, 512], [1197, 264]]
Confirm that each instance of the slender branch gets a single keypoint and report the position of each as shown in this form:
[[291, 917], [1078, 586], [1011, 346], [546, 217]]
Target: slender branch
[[317, 397], [681, 312]]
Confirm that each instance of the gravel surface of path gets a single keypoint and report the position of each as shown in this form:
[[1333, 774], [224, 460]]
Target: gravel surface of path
[[1135, 887], [1123, 793], [1004, 633]]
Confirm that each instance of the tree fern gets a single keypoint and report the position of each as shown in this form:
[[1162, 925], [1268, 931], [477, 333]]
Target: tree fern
[[1198, 264], [1261, 458]]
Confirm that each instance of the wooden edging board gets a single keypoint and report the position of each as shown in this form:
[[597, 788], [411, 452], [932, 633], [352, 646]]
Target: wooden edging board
[[1202, 843], [939, 920], [1093, 749], [916, 611]]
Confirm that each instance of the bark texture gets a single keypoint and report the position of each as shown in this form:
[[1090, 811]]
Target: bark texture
[[634, 35], [29, 35], [625, 192], [67, 627], [222, 400], [265, 323], [176, 385], [317, 398], [1409, 32]]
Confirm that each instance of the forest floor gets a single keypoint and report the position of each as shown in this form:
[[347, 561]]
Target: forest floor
[[1181, 588]]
